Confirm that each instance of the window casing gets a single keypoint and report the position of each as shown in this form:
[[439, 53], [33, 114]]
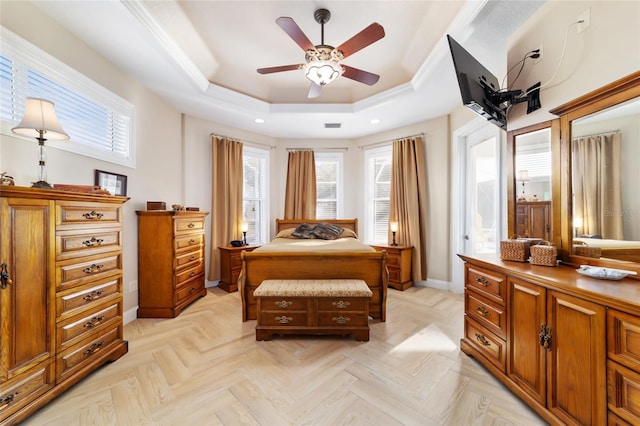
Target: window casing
[[98, 122], [328, 185], [255, 199], [377, 194]]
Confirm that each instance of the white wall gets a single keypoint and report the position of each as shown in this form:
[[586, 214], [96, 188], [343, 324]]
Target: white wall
[[158, 172]]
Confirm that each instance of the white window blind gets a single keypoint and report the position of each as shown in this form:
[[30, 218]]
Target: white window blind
[[328, 185], [377, 194], [98, 122], [255, 205]]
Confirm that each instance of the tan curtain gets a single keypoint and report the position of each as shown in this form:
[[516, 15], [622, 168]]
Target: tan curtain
[[226, 199], [596, 184], [409, 200], [300, 192]]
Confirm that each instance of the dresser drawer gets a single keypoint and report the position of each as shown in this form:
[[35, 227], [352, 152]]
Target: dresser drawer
[[345, 304], [72, 302], [189, 259], [623, 338], [284, 303], [187, 274], [284, 319], [72, 214], [74, 358], [86, 243], [77, 328], [491, 346], [186, 291], [488, 283], [343, 319], [623, 392], [189, 242], [73, 273], [486, 313], [25, 388], [183, 225]]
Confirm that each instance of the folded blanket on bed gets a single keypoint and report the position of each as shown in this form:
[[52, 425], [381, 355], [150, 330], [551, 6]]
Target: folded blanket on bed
[[324, 231]]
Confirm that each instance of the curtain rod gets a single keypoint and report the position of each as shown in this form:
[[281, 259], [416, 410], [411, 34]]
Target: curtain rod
[[374, 144], [319, 149], [596, 134], [238, 140]]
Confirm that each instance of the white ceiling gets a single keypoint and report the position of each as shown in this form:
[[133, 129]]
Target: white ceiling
[[202, 56]]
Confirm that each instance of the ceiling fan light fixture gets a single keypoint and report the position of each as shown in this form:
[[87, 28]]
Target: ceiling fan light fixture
[[323, 72]]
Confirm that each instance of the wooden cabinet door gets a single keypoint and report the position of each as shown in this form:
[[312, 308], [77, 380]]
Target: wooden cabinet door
[[576, 367], [526, 357], [27, 317], [540, 221]]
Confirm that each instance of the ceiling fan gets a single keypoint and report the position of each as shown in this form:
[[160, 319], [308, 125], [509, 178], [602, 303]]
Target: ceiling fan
[[322, 62]]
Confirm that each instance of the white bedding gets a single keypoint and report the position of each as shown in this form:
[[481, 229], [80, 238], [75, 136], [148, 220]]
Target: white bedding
[[604, 243], [293, 245]]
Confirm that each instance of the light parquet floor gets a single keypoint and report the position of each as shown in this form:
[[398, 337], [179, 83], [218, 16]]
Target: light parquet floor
[[206, 368]]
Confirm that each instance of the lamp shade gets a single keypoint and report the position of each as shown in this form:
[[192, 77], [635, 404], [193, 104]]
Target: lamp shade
[[523, 176], [40, 116], [323, 72]]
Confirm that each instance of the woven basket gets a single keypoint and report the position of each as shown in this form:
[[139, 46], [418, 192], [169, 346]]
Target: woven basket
[[580, 248], [544, 254], [515, 248]]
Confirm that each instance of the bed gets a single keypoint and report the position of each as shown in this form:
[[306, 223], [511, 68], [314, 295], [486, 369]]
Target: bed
[[615, 249], [345, 258]]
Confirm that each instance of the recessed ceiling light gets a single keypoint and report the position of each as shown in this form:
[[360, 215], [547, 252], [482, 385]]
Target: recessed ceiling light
[[375, 121], [259, 120]]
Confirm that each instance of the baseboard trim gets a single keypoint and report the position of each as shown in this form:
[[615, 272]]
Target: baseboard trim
[[437, 284], [130, 315]]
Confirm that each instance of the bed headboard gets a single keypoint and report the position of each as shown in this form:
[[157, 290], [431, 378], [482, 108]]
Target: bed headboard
[[282, 224]]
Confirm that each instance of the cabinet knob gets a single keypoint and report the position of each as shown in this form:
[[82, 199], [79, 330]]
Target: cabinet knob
[[341, 319], [483, 311], [483, 281], [283, 304], [284, 320], [5, 278], [93, 215], [341, 304], [483, 340]]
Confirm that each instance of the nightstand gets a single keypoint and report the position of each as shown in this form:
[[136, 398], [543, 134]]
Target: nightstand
[[231, 265], [399, 265]]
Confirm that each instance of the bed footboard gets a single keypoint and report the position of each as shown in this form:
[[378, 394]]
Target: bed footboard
[[371, 267]]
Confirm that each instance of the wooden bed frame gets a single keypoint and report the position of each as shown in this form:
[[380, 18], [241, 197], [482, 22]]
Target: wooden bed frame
[[371, 267]]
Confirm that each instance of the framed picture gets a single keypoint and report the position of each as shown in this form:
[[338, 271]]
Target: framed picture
[[114, 183]]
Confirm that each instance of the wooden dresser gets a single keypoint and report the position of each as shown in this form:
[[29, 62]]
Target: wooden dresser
[[567, 344], [533, 219], [60, 293], [231, 265], [171, 262], [398, 264]]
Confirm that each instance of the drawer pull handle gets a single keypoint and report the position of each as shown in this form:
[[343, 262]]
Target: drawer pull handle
[[483, 340], [93, 241], [191, 225], [93, 215], [483, 281], [94, 348], [544, 338], [94, 321], [8, 399], [192, 241], [283, 304], [192, 273], [284, 320], [483, 311], [5, 278], [93, 295], [341, 304], [93, 268], [192, 257], [192, 290], [341, 319]]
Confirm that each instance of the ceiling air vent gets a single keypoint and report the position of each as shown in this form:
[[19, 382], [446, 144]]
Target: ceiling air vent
[[332, 125]]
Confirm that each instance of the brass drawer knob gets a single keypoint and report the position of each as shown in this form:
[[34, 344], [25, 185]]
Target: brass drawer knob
[[341, 304], [93, 295], [93, 215], [483, 281], [94, 321], [483, 340], [341, 319], [93, 268], [283, 304], [8, 399], [483, 311], [284, 320], [94, 348], [93, 241]]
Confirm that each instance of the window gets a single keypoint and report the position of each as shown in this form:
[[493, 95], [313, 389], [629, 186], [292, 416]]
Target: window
[[255, 205], [98, 122], [328, 185], [377, 194]]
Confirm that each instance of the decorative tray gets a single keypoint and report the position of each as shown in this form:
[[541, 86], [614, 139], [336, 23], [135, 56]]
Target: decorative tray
[[603, 273]]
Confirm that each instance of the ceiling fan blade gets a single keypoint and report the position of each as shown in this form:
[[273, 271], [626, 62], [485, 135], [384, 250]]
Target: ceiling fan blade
[[278, 69], [369, 35], [293, 30], [360, 75], [314, 91]]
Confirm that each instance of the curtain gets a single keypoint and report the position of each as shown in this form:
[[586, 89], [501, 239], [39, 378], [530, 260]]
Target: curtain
[[409, 200], [226, 199], [300, 192], [596, 184]]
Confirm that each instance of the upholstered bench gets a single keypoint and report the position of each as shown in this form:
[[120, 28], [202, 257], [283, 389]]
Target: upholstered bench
[[313, 307]]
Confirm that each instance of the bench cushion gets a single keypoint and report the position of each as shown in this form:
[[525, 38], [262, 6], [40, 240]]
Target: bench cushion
[[313, 288]]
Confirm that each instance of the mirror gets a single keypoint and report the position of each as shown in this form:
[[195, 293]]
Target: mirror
[[600, 145], [530, 207]]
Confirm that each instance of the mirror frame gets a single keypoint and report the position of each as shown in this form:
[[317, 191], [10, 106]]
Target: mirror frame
[[512, 189], [612, 94]]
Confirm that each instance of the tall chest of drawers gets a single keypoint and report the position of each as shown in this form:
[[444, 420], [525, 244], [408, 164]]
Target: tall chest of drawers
[[171, 264], [60, 293]]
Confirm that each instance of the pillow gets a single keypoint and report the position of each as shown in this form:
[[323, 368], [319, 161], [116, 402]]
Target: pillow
[[327, 231], [286, 233], [304, 231], [348, 233]]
